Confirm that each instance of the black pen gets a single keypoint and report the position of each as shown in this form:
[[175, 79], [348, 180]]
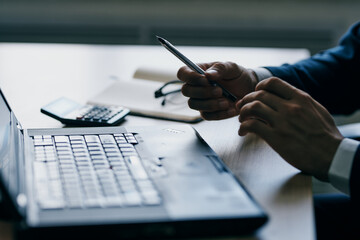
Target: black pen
[[193, 66]]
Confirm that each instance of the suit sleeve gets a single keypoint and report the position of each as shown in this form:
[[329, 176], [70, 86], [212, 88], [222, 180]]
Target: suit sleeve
[[332, 77], [355, 177]]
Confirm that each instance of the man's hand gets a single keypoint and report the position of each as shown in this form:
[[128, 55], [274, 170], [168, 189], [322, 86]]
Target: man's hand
[[295, 125], [209, 99]]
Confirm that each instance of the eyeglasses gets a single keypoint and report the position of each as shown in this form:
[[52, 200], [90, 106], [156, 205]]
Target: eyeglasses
[[172, 95]]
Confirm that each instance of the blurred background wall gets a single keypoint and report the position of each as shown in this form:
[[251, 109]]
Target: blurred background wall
[[311, 24]]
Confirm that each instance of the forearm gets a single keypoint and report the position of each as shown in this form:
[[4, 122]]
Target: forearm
[[331, 77], [340, 171]]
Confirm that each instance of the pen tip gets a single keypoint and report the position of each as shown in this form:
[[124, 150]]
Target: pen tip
[[161, 40]]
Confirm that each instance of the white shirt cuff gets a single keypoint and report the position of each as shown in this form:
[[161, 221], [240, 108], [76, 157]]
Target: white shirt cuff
[[262, 73], [340, 169]]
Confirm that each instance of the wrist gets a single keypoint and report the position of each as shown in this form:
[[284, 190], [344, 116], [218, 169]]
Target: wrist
[[332, 147], [261, 73], [321, 152], [254, 78]]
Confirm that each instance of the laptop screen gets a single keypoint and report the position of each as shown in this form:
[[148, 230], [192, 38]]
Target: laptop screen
[[8, 160]]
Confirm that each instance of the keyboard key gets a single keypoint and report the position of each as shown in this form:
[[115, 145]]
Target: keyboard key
[[62, 144], [74, 204], [92, 139], [74, 137], [136, 167], [92, 202], [61, 139], [127, 149], [95, 148], [107, 139], [152, 199], [132, 198], [125, 145], [130, 138], [51, 204], [91, 171], [96, 152], [43, 142], [82, 158], [116, 201], [129, 154]]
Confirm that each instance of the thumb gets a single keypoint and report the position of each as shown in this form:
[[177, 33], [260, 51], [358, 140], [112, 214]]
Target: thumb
[[223, 71]]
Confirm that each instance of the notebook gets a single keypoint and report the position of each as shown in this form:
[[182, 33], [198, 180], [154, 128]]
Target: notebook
[[133, 182], [137, 95]]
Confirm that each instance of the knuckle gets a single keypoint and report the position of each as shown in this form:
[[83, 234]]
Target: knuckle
[[248, 125], [250, 108], [255, 105], [273, 81], [264, 84], [230, 64], [180, 73], [260, 94], [185, 90], [192, 104], [295, 110], [219, 66], [305, 96]]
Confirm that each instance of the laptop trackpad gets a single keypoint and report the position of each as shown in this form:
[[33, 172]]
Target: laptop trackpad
[[195, 187]]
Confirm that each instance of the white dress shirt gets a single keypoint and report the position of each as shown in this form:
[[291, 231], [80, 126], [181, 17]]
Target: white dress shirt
[[340, 169]]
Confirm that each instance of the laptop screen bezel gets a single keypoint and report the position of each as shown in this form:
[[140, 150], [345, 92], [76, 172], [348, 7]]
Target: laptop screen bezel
[[10, 194]]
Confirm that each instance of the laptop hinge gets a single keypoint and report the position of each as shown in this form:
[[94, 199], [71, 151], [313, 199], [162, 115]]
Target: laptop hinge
[[18, 125]]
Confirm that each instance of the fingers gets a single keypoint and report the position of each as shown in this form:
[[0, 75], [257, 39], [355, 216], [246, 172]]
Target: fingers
[[219, 104], [190, 77], [187, 75], [207, 98], [284, 91], [223, 71], [219, 115], [258, 127], [271, 100], [201, 92], [277, 87], [258, 110]]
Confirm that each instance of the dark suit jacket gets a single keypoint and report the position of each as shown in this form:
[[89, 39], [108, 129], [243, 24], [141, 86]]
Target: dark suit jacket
[[332, 77]]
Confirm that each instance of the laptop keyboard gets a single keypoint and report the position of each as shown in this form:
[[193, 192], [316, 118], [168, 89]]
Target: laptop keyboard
[[91, 171]]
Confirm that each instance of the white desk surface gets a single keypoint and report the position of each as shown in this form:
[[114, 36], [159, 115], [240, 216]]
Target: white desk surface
[[31, 75]]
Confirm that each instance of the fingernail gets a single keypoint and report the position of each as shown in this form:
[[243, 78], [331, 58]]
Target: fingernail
[[211, 71]]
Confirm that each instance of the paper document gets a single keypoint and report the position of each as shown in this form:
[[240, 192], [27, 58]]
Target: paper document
[[138, 96]]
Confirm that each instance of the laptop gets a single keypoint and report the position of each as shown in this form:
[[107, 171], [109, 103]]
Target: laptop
[[119, 182]]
